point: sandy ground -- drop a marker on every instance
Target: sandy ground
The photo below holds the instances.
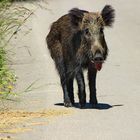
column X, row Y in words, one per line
column 118, row 84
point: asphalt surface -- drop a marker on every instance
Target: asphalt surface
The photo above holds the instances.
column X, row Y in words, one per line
column 118, row 83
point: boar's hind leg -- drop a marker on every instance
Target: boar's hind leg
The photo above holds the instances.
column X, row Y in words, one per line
column 81, row 88
column 70, row 89
column 92, row 83
column 61, row 69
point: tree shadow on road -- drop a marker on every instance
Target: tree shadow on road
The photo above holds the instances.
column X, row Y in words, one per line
column 99, row 106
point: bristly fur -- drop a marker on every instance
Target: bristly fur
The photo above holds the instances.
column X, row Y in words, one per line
column 108, row 15
column 76, row 15
column 71, row 49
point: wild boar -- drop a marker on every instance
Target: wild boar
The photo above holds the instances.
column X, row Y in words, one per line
column 76, row 41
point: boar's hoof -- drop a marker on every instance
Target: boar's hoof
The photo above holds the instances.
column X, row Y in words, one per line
column 72, row 101
column 82, row 104
column 94, row 103
column 67, row 103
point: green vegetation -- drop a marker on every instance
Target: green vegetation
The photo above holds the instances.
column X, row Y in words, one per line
column 11, row 19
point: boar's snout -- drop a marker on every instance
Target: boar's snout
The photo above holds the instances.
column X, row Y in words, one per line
column 98, row 57
column 98, row 60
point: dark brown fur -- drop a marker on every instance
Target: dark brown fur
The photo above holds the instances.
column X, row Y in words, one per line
column 74, row 41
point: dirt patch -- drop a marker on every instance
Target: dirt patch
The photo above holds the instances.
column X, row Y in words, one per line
column 21, row 121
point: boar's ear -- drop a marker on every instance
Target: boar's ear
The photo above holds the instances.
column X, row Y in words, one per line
column 108, row 15
column 76, row 15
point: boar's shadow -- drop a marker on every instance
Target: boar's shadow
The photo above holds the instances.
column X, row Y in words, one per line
column 99, row 106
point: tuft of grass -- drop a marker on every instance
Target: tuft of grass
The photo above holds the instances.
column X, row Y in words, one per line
column 11, row 19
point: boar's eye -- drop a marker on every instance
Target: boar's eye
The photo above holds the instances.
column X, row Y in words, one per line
column 101, row 30
column 86, row 31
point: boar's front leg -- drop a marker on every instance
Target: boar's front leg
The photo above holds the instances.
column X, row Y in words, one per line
column 92, row 84
column 81, row 88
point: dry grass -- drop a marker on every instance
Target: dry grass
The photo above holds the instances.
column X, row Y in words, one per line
column 21, row 121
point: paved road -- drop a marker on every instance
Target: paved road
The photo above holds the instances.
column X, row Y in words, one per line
column 118, row 83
